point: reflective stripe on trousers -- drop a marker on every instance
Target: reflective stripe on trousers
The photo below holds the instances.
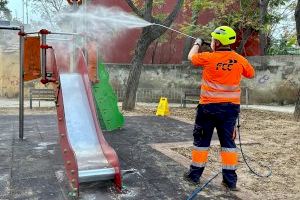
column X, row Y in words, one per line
column 199, row 156
column 229, row 158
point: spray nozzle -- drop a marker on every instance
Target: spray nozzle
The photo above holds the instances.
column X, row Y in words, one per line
column 206, row 43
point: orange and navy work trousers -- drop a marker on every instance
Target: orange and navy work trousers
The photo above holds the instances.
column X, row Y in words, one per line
column 221, row 116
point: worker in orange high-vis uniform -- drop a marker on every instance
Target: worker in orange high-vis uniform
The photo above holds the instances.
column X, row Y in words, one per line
column 219, row 104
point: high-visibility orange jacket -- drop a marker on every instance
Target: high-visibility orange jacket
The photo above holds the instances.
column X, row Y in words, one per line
column 222, row 74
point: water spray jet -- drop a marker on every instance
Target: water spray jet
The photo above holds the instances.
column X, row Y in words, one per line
column 204, row 42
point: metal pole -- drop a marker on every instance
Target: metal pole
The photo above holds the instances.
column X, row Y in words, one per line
column 43, row 57
column 73, row 65
column 247, row 97
column 27, row 12
column 64, row 33
column 21, row 85
column 85, row 22
column 57, row 39
column 23, row 12
column 53, row 33
column 9, row 28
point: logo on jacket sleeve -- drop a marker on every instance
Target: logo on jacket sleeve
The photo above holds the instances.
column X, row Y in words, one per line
column 226, row 66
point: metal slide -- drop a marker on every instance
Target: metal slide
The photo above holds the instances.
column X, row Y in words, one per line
column 82, row 134
column 87, row 156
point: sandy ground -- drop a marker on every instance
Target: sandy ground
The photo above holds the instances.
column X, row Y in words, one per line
column 10, row 107
column 276, row 137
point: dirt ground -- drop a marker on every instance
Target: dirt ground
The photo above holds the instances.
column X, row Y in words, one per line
column 275, row 142
column 28, row 111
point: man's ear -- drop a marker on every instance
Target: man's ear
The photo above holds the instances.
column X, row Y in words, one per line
column 217, row 44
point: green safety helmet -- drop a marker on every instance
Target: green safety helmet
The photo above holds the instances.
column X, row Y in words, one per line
column 224, row 34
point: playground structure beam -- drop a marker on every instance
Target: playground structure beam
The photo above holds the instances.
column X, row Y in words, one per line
column 63, row 33
column 21, row 83
column 21, row 77
column 10, row 28
column 43, row 56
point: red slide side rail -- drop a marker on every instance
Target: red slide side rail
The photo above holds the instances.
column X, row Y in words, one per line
column 68, row 153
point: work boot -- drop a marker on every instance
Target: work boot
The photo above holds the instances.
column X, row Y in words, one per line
column 230, row 188
column 186, row 177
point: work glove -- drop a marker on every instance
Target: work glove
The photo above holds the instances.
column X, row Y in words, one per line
column 198, row 42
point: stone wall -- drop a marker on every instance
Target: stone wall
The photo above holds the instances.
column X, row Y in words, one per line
column 157, row 76
column 9, row 75
column 276, row 80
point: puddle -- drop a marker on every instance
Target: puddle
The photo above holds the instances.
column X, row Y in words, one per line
column 59, row 175
column 51, row 152
column 43, row 145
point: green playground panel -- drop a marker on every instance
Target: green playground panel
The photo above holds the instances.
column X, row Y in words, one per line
column 109, row 116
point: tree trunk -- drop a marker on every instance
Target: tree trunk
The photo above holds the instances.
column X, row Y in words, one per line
column 244, row 40
column 263, row 7
column 154, row 52
column 186, row 49
column 135, row 72
column 189, row 41
column 297, row 18
column 297, row 108
column 149, row 34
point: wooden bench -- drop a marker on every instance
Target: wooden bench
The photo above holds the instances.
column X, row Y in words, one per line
column 41, row 95
column 191, row 96
column 194, row 95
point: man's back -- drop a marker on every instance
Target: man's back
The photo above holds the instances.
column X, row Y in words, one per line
column 222, row 73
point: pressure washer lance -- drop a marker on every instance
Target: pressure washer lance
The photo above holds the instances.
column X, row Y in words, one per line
column 199, row 189
column 204, row 42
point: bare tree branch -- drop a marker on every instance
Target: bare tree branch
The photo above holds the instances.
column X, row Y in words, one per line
column 134, row 8
column 54, row 5
column 47, row 12
column 245, row 37
column 148, row 10
column 168, row 21
column 141, row 14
